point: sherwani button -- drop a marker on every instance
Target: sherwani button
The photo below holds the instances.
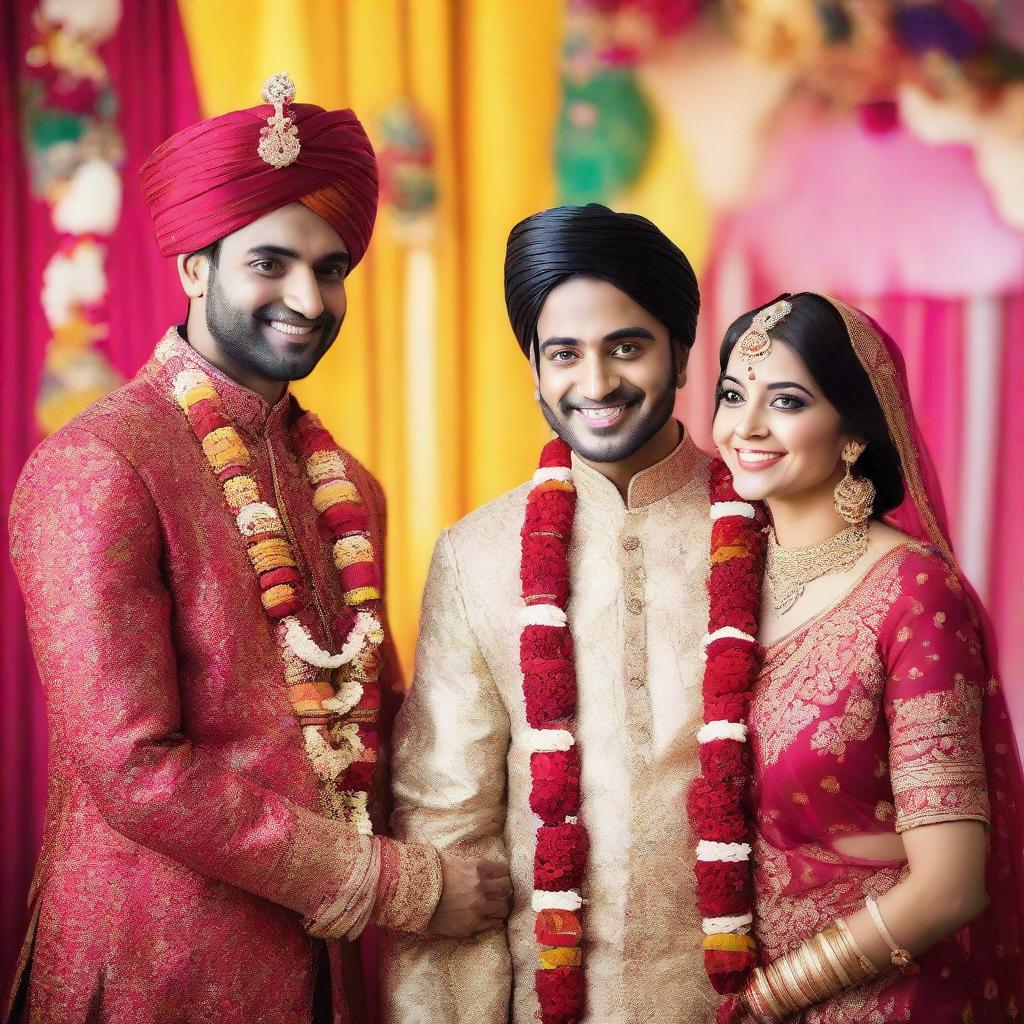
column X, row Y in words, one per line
column 636, row 682
column 635, row 605
column 631, row 542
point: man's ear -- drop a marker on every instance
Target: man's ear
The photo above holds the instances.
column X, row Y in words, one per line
column 680, row 357
column 194, row 273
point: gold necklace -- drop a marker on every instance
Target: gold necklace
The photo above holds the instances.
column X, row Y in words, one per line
column 789, row 570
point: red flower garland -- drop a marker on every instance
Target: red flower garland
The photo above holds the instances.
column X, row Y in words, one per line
column 549, row 690
column 717, row 801
column 718, row 798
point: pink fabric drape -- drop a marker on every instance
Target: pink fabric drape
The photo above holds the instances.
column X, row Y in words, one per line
column 153, row 80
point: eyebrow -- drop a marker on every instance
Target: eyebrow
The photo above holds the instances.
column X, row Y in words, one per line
column 776, row 385
column 616, row 335
column 291, row 254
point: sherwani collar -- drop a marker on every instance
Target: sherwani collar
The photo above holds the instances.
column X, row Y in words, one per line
column 647, row 487
column 246, row 409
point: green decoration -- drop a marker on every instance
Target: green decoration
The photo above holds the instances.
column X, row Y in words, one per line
column 604, row 135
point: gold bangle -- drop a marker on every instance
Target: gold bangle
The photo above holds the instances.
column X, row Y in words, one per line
column 779, row 996
column 757, row 1002
column 848, row 957
column 771, row 1003
column 824, row 986
column 802, row 970
column 825, row 966
column 780, row 990
column 867, row 968
column 787, row 970
column 899, row 956
column 833, row 956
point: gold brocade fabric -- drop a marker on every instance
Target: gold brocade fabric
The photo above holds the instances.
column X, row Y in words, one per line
column 638, row 612
column 184, row 846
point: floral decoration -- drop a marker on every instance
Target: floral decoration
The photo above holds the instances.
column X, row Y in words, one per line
column 336, row 697
column 75, row 154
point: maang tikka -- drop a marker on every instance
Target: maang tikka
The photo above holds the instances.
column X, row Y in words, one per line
column 854, row 495
column 754, row 343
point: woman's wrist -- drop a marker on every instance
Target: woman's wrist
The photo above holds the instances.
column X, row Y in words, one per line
column 816, row 970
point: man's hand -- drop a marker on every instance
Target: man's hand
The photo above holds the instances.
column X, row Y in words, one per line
column 475, row 896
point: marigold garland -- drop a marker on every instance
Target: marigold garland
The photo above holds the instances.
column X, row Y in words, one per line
column 717, row 801
column 336, row 698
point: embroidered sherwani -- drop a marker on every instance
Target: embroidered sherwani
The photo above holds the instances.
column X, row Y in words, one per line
column 638, row 611
column 184, row 844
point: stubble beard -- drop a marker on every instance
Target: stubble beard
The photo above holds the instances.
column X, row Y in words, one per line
column 616, row 447
column 240, row 339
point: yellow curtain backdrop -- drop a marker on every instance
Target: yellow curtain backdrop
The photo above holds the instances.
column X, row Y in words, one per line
column 447, row 419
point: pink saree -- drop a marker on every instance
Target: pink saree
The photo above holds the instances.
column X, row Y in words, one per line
column 883, row 713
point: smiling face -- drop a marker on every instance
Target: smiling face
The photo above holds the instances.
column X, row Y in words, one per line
column 605, row 374
column 273, row 297
column 779, row 435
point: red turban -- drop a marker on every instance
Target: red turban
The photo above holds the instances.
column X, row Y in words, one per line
column 209, row 180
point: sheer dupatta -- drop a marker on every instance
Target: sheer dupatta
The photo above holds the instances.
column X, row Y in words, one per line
column 995, row 955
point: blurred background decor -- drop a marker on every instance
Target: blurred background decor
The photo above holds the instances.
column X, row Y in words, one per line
column 869, row 148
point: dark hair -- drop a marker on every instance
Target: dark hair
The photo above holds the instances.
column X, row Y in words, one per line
column 211, row 252
column 816, row 333
column 624, row 249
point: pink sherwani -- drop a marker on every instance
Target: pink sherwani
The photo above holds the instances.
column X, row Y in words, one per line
column 183, row 844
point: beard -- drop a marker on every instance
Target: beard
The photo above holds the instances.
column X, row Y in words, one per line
column 623, row 440
column 239, row 335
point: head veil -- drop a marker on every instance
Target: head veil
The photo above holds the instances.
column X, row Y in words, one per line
column 922, row 515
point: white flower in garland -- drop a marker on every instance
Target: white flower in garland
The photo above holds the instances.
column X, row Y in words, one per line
column 567, row 899
column 73, row 279
column 349, row 694
column 92, row 202
column 356, row 804
column 303, row 646
column 185, row 381
column 330, row 763
column 95, row 21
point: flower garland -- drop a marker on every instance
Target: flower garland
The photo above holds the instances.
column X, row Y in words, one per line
column 335, row 697
column 549, row 689
column 717, row 802
column 76, row 153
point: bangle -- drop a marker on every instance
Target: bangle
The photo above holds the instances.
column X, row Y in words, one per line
column 827, row 942
column 787, row 971
column 899, row 956
column 757, row 998
column 818, row 973
column 867, row 968
column 780, row 990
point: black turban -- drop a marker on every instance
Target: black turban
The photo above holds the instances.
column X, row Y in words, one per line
column 624, row 249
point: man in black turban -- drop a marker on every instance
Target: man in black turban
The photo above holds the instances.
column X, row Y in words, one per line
column 605, row 307
column 558, row 734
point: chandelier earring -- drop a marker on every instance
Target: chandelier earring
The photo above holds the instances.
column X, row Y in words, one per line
column 854, row 495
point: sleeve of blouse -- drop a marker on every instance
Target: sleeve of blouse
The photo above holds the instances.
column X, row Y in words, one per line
column 935, row 681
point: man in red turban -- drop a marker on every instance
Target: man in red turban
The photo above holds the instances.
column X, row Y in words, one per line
column 202, row 572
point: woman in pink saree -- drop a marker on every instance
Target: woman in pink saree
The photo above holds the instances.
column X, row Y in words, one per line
column 887, row 853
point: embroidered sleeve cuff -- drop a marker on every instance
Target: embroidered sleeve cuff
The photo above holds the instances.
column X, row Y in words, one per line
column 409, row 886
column 934, row 793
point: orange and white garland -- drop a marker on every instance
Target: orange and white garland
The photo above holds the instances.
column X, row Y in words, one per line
column 336, row 697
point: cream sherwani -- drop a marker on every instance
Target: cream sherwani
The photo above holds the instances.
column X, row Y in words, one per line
column 638, row 611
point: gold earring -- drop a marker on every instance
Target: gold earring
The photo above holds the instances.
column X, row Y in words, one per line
column 854, row 496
